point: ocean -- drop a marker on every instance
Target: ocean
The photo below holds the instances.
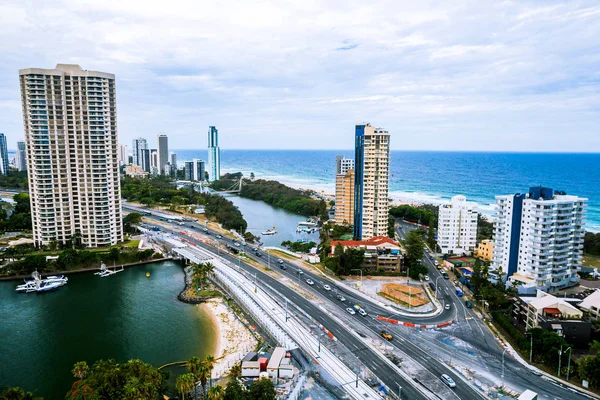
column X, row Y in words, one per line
column 431, row 177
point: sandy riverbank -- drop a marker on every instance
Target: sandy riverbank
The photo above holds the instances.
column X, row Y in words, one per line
column 234, row 340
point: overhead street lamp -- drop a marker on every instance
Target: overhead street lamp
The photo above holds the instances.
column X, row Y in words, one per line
column 399, row 390
column 530, row 347
column 503, row 368
column 358, row 269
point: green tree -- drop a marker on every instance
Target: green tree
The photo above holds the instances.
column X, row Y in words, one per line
column 80, row 370
column 210, row 360
column 234, row 391
column 216, row 393
column 431, row 234
column 16, row 393
column 235, row 371
column 262, row 389
column 185, row 383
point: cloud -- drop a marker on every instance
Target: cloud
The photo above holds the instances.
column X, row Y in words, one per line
column 295, row 74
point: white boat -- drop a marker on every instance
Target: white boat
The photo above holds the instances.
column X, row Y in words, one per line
column 56, row 278
column 309, row 222
column 269, row 232
column 298, row 229
column 48, row 286
column 27, row 287
column 104, row 272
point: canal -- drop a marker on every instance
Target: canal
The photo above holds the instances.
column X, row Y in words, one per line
column 123, row 316
column 261, row 216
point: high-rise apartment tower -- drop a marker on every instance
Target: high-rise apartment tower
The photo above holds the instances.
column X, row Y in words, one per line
column 344, row 191
column 538, row 239
column 3, row 155
column 21, row 157
column 457, row 227
column 163, row 153
column 214, row 154
column 371, row 181
column 70, row 120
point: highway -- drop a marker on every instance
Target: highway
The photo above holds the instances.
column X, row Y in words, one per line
column 386, row 374
column 372, row 361
column 470, row 328
column 474, row 332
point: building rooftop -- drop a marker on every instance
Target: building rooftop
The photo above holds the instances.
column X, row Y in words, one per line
column 374, row 241
column 593, row 300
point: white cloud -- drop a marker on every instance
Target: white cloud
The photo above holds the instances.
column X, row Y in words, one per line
column 462, row 75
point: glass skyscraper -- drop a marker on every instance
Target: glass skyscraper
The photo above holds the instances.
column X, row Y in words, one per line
column 3, row 155
column 214, row 154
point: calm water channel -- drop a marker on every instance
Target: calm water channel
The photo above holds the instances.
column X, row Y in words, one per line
column 261, row 216
column 123, row 316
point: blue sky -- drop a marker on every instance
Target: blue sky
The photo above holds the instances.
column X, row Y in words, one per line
column 451, row 75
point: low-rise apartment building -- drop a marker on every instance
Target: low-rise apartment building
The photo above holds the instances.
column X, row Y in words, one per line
column 382, row 254
column 485, row 250
column 555, row 314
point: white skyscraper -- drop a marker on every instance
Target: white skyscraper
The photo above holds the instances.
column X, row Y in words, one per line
column 457, row 227
column 70, row 121
column 139, row 145
column 214, row 154
column 123, row 156
column 197, row 170
column 538, row 239
column 21, row 158
column 163, row 153
column 371, row 182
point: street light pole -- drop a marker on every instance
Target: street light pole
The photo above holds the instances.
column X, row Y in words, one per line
column 503, row 368
column 530, row 347
column 559, row 359
column 399, row 390
column 570, row 350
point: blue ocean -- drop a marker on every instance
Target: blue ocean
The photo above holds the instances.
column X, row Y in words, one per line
column 431, row 177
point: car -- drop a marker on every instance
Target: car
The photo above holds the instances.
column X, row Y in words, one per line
column 446, row 276
column 280, row 261
column 340, row 297
column 310, row 282
column 448, row 381
column 219, row 237
column 181, row 223
column 362, row 312
column 300, row 272
column 432, row 286
column 431, row 257
column 258, row 254
column 192, row 226
column 283, row 267
column 326, row 287
column 468, row 304
column 436, row 263
column 350, row 311
column 426, row 250
column 447, row 306
column 237, row 244
column 426, row 277
column 386, row 335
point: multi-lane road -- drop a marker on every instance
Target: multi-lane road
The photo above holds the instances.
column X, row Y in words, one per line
column 469, row 328
column 474, row 332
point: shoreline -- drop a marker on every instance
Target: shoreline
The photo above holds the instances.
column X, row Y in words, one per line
column 88, row 269
column 234, row 339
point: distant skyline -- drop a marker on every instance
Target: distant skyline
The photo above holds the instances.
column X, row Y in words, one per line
column 477, row 76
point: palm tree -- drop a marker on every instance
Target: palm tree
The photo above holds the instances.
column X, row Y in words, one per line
column 80, row 370
column 193, row 365
column 210, row 360
column 185, row 383
column 198, row 274
column 216, row 393
column 235, row 370
column 203, row 375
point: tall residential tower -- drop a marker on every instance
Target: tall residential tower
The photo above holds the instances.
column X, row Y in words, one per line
column 214, row 155
column 70, row 121
column 3, row 155
column 344, row 191
column 371, row 181
column 457, row 227
column 538, row 239
column 21, row 158
column 162, row 153
column 139, row 145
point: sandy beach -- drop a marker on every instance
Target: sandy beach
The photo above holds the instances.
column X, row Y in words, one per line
column 234, row 340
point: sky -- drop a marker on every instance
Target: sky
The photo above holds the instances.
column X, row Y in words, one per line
column 438, row 75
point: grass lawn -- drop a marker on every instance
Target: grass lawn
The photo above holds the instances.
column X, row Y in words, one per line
column 132, row 244
column 591, row 261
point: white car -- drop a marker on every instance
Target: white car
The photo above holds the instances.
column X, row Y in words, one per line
column 362, row 312
column 326, row 287
column 350, row 311
column 300, row 272
column 340, row 297
column 426, row 277
column 310, row 282
column 448, row 381
column 280, row 261
column 447, row 306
